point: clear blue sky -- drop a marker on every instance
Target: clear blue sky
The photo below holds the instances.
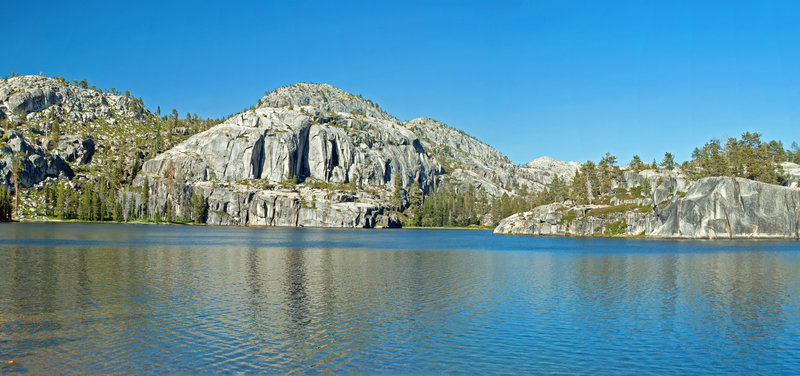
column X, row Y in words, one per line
column 568, row 79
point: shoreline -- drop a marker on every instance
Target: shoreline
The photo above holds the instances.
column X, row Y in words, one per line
column 646, row 237
column 471, row 228
column 139, row 222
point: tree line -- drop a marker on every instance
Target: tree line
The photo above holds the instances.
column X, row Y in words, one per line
column 102, row 201
column 747, row 157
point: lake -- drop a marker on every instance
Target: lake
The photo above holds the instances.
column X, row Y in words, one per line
column 150, row 299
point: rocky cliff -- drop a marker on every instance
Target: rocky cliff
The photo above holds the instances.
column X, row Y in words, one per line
column 467, row 161
column 470, row 162
column 722, row 207
column 716, row 207
column 36, row 163
column 247, row 167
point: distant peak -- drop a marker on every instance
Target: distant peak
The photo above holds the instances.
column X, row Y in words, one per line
column 545, row 162
column 324, row 97
column 542, row 159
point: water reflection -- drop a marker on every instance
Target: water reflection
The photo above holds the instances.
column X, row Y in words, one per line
column 258, row 302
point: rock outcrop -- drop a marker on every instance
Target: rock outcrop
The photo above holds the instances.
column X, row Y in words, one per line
column 541, row 171
column 237, row 204
column 44, row 97
column 303, row 133
column 791, row 174
column 716, row 207
column 276, row 144
column 467, row 161
column 37, row 164
column 561, row 220
column 723, row 207
column 76, row 149
column 325, row 98
column 470, row 162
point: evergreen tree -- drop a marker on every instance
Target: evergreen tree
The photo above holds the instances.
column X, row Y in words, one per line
column 558, row 190
column 5, row 204
column 636, row 164
column 85, row 205
column 579, row 190
column 118, row 212
column 56, row 132
column 592, row 178
column 17, row 168
column 397, row 195
column 647, row 188
column 414, row 202
column 146, row 198
column 669, row 161
column 199, row 207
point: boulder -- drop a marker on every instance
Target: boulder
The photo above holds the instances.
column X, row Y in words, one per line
column 76, row 149
column 37, row 164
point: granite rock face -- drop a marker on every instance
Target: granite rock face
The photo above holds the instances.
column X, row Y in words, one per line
column 791, row 172
column 723, row 207
column 325, row 98
column 470, row 162
column 715, row 207
column 235, row 204
column 302, row 133
column 76, row 149
column 277, row 144
column 547, row 168
column 467, row 161
column 45, row 97
column 556, row 219
column 37, row 164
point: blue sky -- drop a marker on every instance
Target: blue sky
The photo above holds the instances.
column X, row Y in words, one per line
column 568, row 79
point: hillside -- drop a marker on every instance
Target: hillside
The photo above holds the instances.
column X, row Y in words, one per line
column 305, row 155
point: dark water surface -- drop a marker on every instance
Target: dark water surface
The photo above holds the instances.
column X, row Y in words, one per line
column 122, row 299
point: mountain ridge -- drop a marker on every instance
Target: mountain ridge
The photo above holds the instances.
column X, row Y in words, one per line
column 306, row 155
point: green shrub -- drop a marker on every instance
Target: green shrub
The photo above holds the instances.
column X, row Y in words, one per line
column 616, row 228
column 567, row 218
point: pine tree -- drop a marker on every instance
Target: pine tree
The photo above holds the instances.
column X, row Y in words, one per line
column 5, row 204
column 669, row 161
column 118, row 212
column 397, row 195
column 646, row 187
column 17, row 168
column 85, row 205
column 199, row 207
column 636, row 163
column 146, row 198
column 579, row 190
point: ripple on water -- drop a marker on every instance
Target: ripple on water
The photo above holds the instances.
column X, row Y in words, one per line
column 150, row 299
